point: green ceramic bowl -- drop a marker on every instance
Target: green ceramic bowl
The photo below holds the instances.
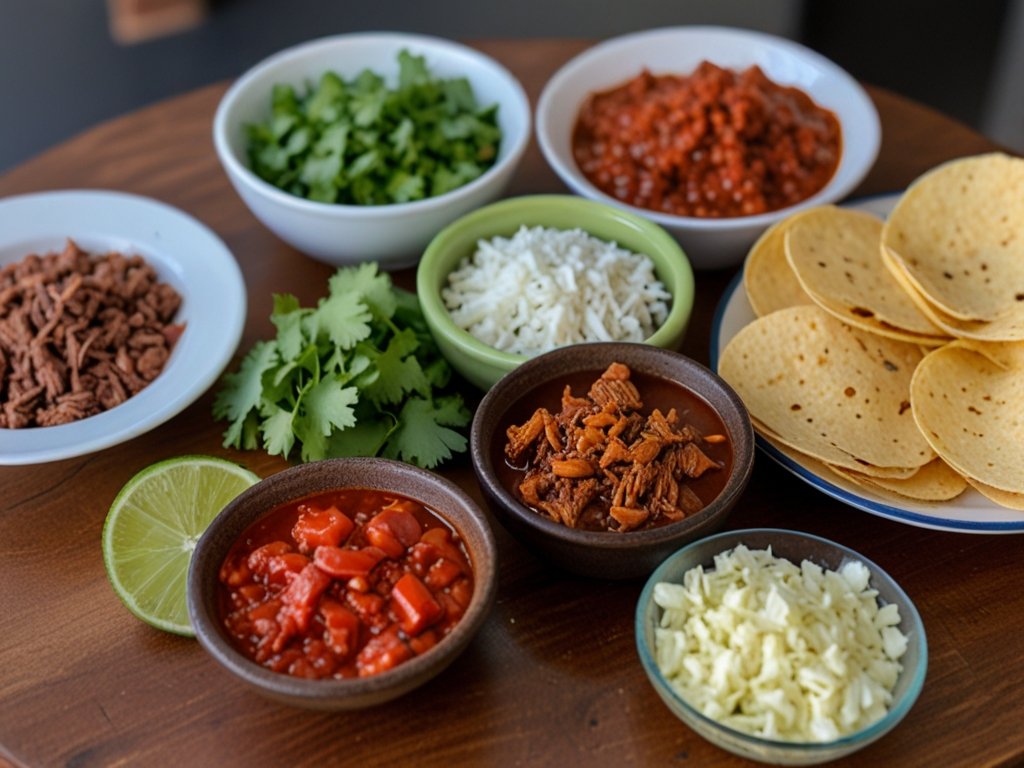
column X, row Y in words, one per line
column 483, row 365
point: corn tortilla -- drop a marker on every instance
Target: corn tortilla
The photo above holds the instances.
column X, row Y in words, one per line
column 935, row 481
column 827, row 389
column 1002, row 498
column 971, row 411
column 836, row 255
column 767, row 278
column 959, row 231
column 1006, row 328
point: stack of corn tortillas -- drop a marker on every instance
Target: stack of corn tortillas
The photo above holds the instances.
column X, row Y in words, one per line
column 893, row 352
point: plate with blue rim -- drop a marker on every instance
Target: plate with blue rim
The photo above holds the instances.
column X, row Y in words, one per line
column 970, row 512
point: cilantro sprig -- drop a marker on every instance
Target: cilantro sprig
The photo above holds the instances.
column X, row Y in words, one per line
column 359, row 142
column 358, row 375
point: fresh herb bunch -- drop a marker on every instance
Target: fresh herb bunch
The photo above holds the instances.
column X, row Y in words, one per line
column 359, row 375
column 361, row 143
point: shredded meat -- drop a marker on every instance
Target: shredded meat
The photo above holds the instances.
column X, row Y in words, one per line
column 79, row 334
column 601, row 463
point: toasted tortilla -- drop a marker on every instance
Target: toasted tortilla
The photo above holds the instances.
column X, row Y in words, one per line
column 827, row 389
column 836, row 255
column 971, row 411
column 1006, row 328
column 767, row 278
column 935, row 481
column 1002, row 498
column 959, row 232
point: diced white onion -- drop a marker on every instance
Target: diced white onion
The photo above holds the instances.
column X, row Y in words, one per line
column 787, row 652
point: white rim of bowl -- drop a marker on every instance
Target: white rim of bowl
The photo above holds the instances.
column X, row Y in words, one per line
column 240, row 169
column 871, row 138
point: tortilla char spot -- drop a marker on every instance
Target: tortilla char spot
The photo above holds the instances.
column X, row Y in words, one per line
column 861, row 312
column 890, row 366
column 822, row 264
column 904, row 406
column 972, row 409
column 849, row 391
column 795, row 407
column 947, row 275
column 1019, row 296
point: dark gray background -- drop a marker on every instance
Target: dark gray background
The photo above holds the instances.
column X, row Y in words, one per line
column 61, row 72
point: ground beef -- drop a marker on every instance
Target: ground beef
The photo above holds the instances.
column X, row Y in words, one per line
column 79, row 334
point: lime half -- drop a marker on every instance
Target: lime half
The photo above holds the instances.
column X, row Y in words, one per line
column 153, row 526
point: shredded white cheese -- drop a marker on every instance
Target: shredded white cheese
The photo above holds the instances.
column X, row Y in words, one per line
column 780, row 651
column 545, row 288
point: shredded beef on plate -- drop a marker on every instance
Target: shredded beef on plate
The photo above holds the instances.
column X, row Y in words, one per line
column 80, row 334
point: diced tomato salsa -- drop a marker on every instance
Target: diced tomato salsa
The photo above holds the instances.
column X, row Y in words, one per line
column 347, row 583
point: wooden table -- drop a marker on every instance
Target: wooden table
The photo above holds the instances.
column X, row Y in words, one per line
column 553, row 677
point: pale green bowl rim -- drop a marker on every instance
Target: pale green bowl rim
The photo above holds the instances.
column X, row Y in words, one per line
column 503, row 218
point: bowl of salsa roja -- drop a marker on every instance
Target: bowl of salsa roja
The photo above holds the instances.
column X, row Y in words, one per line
column 343, row 583
column 606, row 458
column 714, row 133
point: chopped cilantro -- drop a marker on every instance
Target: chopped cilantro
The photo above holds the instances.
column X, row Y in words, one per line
column 362, row 143
column 359, row 375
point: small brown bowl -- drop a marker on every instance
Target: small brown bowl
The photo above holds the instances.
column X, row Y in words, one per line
column 604, row 554
column 435, row 492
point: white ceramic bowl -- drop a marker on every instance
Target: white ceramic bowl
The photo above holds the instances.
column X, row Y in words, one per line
column 393, row 235
column 709, row 243
column 184, row 253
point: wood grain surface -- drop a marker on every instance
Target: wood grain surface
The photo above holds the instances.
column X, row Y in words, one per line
column 553, row 678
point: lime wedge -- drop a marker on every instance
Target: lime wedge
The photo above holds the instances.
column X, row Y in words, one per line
column 153, row 526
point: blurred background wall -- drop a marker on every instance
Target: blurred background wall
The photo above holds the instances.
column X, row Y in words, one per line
column 66, row 65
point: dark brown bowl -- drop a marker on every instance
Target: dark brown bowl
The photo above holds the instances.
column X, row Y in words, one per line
column 608, row 555
column 432, row 490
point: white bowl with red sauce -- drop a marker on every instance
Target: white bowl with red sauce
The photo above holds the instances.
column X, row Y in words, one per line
column 344, row 583
column 709, row 242
column 593, row 546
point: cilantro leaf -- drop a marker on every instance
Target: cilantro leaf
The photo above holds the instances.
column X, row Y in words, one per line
column 241, row 392
column 363, row 439
column 359, row 374
column 278, row 436
column 399, row 371
column 327, row 405
column 423, row 436
column 344, row 319
column 368, row 284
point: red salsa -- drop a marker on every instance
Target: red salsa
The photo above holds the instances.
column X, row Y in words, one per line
column 715, row 143
column 347, row 583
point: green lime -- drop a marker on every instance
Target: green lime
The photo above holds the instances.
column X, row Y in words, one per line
column 153, row 526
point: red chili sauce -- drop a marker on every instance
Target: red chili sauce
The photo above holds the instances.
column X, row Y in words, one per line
column 347, row 583
column 715, row 143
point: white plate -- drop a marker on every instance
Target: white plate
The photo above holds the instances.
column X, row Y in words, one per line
column 970, row 512
column 184, row 253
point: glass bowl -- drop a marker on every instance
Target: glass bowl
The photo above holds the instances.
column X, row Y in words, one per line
column 794, row 546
